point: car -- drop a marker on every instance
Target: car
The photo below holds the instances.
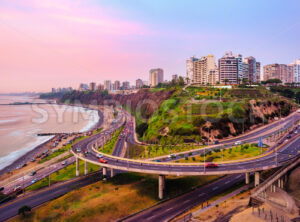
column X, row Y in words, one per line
column 17, row 187
column 296, row 132
column 99, row 155
column 102, row 160
column 64, row 163
column 156, row 160
column 288, row 136
column 172, row 156
column 34, row 181
column 216, row 142
column 32, row 173
column 238, row 143
column 1, row 188
column 86, row 152
column 78, row 150
column 211, row 165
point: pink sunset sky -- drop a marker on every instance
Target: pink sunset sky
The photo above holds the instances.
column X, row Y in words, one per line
column 61, row 43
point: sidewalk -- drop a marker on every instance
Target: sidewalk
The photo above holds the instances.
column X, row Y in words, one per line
column 220, row 200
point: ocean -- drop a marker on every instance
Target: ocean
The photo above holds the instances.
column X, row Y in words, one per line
column 20, row 124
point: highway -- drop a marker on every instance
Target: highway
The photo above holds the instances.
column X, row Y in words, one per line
column 170, row 209
column 266, row 161
column 36, row 198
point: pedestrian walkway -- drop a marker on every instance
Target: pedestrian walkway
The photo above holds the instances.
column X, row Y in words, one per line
column 220, row 200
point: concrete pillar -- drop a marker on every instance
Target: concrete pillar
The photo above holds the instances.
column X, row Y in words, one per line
column 247, row 177
column 112, row 173
column 77, row 167
column 279, row 183
column 161, row 181
column 85, row 168
column 104, row 171
column 256, row 178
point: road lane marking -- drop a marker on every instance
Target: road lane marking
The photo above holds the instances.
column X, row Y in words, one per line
column 201, row 194
column 186, row 201
column 227, row 182
column 169, row 209
column 215, row 188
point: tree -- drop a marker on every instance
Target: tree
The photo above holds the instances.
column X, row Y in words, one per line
column 288, row 93
column 245, row 81
column 226, row 81
column 141, row 128
column 274, row 81
column 181, row 81
column 23, row 210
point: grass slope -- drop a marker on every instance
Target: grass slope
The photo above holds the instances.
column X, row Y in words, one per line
column 107, row 201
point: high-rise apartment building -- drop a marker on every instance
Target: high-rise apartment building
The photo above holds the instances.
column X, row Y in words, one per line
column 117, row 85
column 204, row 70
column 126, row 85
column 251, row 75
column 190, row 69
column 139, row 83
column 175, row 77
column 107, row 85
column 295, row 66
column 100, row 87
column 92, row 86
column 156, row 76
column 279, row 71
column 258, row 72
column 83, row 87
column 230, row 68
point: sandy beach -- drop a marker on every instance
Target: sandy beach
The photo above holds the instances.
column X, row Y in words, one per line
column 28, row 156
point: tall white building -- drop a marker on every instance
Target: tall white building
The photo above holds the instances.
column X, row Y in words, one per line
column 156, row 76
column 205, row 71
column 190, row 69
column 107, row 85
column 296, row 69
column 229, row 68
column 138, row 83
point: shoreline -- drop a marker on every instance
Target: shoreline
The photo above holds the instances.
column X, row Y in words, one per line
column 28, row 156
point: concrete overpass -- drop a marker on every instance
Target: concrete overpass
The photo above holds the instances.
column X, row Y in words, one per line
column 271, row 159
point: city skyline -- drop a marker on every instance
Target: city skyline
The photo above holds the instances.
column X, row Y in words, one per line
column 65, row 43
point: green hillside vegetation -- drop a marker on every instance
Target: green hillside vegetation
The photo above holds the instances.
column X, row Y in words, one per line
column 234, row 153
column 197, row 112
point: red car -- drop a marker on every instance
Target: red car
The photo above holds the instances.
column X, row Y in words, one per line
column 102, row 160
column 211, row 165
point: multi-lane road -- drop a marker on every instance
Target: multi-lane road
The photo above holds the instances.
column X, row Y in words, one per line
column 283, row 153
column 269, row 160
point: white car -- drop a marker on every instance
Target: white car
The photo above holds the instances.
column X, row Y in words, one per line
column 238, row 143
column 172, row 156
column 34, row 181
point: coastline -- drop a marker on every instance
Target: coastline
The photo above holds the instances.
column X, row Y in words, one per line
column 28, row 156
